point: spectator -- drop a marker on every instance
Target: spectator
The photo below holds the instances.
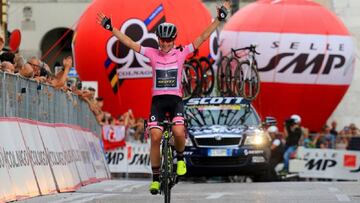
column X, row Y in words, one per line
column 35, row 64
column 342, row 140
column 330, row 138
column 7, row 56
column 333, row 130
column 19, row 62
column 321, row 140
column 7, row 67
column 293, row 132
column 353, row 130
column 60, row 78
column 306, row 140
column 277, row 150
column 139, row 129
column 27, row 71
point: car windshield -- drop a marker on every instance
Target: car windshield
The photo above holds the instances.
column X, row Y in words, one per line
column 229, row 115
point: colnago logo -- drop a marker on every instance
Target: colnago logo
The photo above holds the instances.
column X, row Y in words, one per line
column 298, row 58
column 215, row 101
column 132, row 64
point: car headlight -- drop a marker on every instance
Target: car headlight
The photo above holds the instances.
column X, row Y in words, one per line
column 188, row 142
column 256, row 138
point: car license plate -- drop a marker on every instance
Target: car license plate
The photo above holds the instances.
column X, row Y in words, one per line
column 219, row 152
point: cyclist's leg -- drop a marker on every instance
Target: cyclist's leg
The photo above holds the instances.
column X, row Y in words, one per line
column 179, row 134
column 155, row 133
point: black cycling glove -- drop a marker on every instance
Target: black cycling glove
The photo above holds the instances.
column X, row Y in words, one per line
column 222, row 13
column 106, row 23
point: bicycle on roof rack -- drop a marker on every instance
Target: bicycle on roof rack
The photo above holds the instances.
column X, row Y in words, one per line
column 238, row 74
column 198, row 76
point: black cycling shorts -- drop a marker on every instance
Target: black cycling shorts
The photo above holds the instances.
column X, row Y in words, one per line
column 166, row 104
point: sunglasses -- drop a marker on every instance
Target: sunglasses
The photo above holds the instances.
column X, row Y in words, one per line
column 166, row 39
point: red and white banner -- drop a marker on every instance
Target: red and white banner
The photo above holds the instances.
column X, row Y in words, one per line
column 113, row 136
column 38, row 156
column 17, row 160
column 134, row 158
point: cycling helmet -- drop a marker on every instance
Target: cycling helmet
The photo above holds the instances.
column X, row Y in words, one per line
column 273, row 129
column 166, row 31
column 296, row 118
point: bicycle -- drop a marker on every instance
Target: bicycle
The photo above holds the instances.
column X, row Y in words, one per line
column 204, row 76
column 168, row 177
column 237, row 75
column 247, row 79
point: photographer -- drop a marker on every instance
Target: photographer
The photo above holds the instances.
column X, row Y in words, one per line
column 293, row 133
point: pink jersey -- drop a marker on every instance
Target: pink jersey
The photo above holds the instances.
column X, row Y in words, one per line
column 167, row 69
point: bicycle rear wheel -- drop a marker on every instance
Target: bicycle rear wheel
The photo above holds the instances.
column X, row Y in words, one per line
column 189, row 81
column 207, row 78
column 220, row 75
column 251, row 80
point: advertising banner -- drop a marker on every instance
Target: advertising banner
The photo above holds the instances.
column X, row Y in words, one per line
column 38, row 157
column 53, row 147
column 16, row 158
column 329, row 163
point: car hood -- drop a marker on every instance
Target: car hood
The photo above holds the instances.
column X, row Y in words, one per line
column 217, row 129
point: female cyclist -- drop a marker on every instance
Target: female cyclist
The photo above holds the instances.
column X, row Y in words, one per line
column 167, row 63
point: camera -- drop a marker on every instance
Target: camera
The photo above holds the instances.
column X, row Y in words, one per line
column 289, row 122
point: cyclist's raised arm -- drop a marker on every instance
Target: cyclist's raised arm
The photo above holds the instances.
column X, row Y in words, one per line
column 222, row 13
column 127, row 41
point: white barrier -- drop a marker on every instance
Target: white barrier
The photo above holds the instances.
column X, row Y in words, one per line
column 38, row 157
column 85, row 155
column 7, row 190
column 328, row 163
column 17, row 160
column 69, row 156
column 134, row 158
column 97, row 156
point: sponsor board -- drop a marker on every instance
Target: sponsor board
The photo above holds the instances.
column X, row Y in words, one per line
column 330, row 163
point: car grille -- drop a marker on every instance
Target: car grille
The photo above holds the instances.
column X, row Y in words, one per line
column 225, row 141
column 218, row 161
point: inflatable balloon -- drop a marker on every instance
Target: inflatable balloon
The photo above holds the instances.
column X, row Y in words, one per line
column 124, row 76
column 307, row 57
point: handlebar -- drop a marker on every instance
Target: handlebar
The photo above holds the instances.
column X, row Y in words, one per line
column 251, row 48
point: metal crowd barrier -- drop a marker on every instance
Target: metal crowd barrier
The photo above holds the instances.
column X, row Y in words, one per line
column 25, row 98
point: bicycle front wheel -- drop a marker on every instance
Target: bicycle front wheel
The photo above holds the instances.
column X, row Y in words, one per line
column 166, row 177
column 251, row 80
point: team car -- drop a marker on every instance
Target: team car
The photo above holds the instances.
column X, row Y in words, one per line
column 225, row 137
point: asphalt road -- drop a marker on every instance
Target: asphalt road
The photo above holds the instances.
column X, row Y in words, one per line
column 134, row 191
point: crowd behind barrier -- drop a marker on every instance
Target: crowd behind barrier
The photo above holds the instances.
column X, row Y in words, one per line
column 50, row 139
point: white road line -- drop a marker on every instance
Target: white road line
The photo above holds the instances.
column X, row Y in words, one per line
column 75, row 196
column 131, row 188
column 334, row 189
column 215, row 196
column 342, row 198
column 93, row 198
column 115, row 187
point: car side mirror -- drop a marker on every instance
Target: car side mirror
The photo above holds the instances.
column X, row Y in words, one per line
column 269, row 121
